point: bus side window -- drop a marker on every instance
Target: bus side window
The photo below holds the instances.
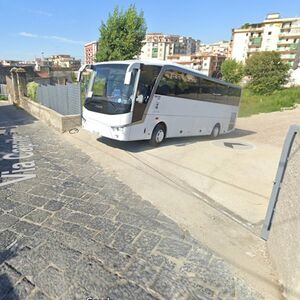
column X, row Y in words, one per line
column 206, row 90
column 233, row 95
column 221, row 92
column 147, row 80
column 167, row 84
column 163, row 90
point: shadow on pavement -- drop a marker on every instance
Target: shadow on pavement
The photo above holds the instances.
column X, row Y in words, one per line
column 7, row 290
column 139, row 146
column 11, row 115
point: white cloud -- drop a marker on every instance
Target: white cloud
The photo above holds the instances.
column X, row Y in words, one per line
column 28, row 34
column 40, row 12
column 50, row 37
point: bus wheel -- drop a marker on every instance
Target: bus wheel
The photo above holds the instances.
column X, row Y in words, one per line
column 216, row 131
column 158, row 135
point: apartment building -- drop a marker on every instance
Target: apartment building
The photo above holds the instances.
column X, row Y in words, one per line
column 90, row 50
column 57, row 62
column 207, row 64
column 219, row 48
column 160, row 46
column 14, row 63
column 273, row 34
column 64, row 61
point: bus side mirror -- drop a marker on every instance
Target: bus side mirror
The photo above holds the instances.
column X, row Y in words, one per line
column 129, row 70
column 81, row 70
column 127, row 78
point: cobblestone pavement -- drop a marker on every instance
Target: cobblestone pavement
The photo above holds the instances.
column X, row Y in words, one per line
column 74, row 231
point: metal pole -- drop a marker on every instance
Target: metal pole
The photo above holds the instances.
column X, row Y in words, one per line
column 289, row 140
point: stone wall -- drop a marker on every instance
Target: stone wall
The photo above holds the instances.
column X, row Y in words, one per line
column 284, row 239
column 17, row 95
column 50, row 117
column 5, row 71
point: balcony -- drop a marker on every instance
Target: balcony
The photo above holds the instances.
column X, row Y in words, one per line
column 255, row 42
column 253, row 50
column 292, row 34
column 290, row 28
column 285, row 43
column 256, row 29
column 292, row 47
column 254, row 45
column 287, row 51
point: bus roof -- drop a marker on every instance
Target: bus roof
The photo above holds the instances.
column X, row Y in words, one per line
column 163, row 63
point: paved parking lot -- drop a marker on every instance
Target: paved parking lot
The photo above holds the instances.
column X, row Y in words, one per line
column 216, row 189
column 72, row 230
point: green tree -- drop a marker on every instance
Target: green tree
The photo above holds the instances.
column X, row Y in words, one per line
column 245, row 26
column 267, row 72
column 232, row 71
column 122, row 35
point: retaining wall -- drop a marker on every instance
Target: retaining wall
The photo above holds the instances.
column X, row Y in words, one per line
column 49, row 116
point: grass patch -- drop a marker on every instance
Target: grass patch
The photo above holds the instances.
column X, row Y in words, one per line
column 253, row 104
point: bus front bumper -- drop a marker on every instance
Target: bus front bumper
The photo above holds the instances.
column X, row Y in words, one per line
column 116, row 133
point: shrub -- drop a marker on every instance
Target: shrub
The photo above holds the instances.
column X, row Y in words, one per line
column 32, row 90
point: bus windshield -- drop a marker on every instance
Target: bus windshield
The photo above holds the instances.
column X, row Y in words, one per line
column 109, row 93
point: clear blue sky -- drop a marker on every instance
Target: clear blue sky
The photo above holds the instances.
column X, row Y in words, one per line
column 30, row 27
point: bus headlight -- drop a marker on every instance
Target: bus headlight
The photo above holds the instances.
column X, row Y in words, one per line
column 118, row 129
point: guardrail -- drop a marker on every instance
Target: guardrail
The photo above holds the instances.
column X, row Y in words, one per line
column 289, row 140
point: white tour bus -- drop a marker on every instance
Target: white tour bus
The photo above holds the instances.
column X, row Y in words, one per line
column 140, row 100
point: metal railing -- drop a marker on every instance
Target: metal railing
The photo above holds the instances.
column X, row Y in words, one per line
column 285, row 154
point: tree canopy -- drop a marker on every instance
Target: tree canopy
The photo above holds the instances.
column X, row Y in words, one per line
column 122, row 35
column 232, row 71
column 245, row 26
column 267, row 72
